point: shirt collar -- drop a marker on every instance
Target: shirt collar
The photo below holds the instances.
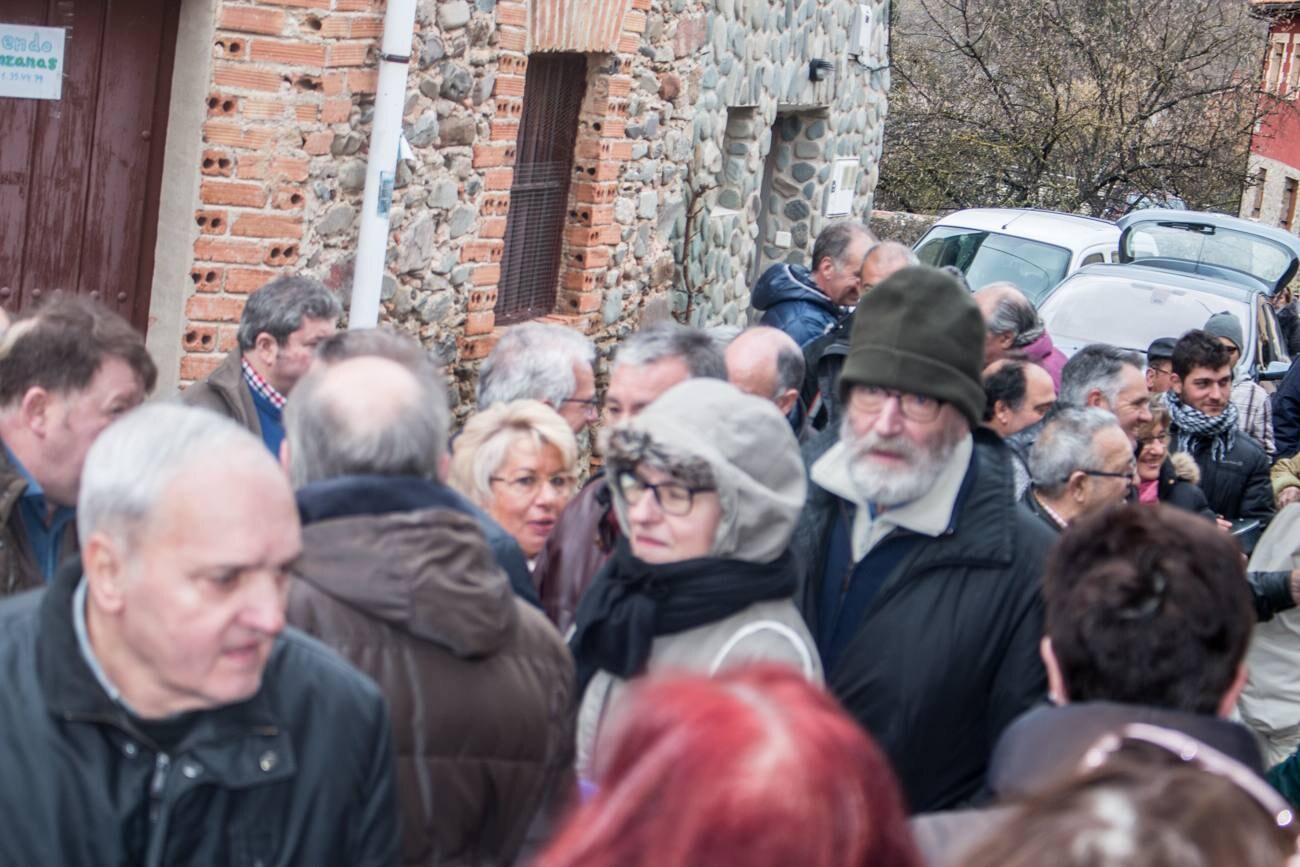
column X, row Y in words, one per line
column 33, row 488
column 87, row 652
column 1051, row 513
column 260, row 385
column 930, row 514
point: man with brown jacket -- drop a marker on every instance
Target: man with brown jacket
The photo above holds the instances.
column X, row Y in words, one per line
column 278, row 331
column 67, row 370
column 396, row 575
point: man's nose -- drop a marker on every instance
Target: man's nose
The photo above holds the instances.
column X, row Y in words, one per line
column 264, row 605
column 889, row 421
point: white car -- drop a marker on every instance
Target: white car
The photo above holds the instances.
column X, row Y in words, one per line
column 1033, row 249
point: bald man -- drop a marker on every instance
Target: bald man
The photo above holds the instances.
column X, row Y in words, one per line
column 883, row 260
column 767, row 363
column 1015, row 331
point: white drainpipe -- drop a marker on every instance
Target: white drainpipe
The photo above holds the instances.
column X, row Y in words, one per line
column 385, row 134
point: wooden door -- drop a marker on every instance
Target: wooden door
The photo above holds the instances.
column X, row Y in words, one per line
column 79, row 176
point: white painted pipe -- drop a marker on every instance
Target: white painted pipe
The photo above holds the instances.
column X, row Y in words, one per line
column 385, row 134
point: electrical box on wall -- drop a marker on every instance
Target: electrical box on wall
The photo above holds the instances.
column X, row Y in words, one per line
column 839, row 192
column 863, row 35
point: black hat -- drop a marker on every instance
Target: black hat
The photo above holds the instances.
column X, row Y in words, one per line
column 1161, row 347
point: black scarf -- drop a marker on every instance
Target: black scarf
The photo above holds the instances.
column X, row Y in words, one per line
column 631, row 602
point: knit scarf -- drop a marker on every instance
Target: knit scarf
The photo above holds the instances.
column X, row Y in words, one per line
column 1195, row 427
column 630, row 602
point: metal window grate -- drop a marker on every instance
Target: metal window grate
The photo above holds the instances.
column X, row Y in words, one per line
column 539, row 193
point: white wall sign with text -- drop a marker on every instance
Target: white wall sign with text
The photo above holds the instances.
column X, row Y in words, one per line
column 31, row 61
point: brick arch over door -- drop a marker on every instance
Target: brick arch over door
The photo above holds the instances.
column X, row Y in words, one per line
column 591, row 26
column 80, row 176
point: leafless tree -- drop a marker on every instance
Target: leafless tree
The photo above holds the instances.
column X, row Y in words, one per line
column 1077, row 105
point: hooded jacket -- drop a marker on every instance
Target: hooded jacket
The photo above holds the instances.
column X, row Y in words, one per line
column 754, row 459
column 301, row 773
column 226, row 393
column 480, row 683
column 1179, row 484
column 946, row 654
column 1286, row 414
column 1045, row 354
column 1236, row 486
column 791, row 301
column 1044, row 748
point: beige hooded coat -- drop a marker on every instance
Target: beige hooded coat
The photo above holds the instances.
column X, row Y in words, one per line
column 754, row 458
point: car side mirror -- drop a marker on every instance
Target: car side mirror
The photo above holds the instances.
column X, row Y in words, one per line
column 1274, row 371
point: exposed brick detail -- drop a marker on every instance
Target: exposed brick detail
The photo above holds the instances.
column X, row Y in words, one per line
column 482, row 299
column 498, row 179
column 336, row 27
column 288, row 53
column 227, row 133
column 634, row 21
column 357, row 5
column 214, row 308
column 199, row 338
column 263, row 109
column 252, row 168
column 486, row 275
column 582, row 281
column 482, row 251
column 588, row 257
column 196, row 367
column 237, row 252
column 232, row 193
column 643, row 5
column 217, row 163
column 280, row 255
column 628, row 43
column 512, row 13
column 476, row 349
column 306, row 113
column 334, row 83
column 587, row 237
column 509, row 85
column 207, row 278
column 251, row 19
column 595, row 193
column 212, row 222
column 288, row 199
column 318, row 143
column 247, row 79
column 487, row 156
column 368, row 26
column 479, row 323
column 348, row 54
column 513, row 38
column 512, row 64
column 336, row 111
column 363, row 81
column 231, row 47
column 493, row 227
column 241, row 281
column 495, row 205
column 504, row 131
column 595, row 215
column 302, row 3
column 265, row 226
column 290, row 168
column 227, row 338
column 619, row 85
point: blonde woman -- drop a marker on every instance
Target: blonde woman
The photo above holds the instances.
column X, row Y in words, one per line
column 518, row 461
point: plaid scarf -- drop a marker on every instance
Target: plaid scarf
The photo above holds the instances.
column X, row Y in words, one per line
column 1195, row 427
column 261, row 386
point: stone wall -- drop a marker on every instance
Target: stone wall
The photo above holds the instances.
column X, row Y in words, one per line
column 704, row 153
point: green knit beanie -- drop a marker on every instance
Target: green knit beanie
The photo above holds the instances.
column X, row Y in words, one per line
column 919, row 332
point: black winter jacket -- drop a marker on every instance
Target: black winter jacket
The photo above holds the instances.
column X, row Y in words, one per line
column 1286, row 414
column 1236, row 487
column 300, row 774
column 947, row 653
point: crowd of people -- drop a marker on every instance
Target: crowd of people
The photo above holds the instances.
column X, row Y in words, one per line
column 882, row 580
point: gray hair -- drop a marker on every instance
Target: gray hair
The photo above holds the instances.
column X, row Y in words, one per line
column 335, row 427
column 834, row 240
column 790, row 370
column 628, row 449
column 1067, row 443
column 724, row 334
column 694, row 347
column 1096, row 366
column 137, row 457
column 533, row 361
column 1013, row 314
column 892, row 252
column 279, row 308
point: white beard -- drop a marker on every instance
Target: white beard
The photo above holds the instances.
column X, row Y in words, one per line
column 890, row 485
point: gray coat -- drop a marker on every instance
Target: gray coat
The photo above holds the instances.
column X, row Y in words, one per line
column 226, row 393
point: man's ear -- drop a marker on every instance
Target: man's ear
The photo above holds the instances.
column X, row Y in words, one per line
column 1055, row 683
column 786, row 401
column 1176, row 384
column 1229, row 700
column 103, row 559
column 1076, row 486
column 266, row 348
column 1001, row 411
column 34, row 409
column 1097, row 399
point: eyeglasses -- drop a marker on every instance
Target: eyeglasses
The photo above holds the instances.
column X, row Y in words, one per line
column 915, row 407
column 591, row 403
column 673, row 498
column 1108, row 475
column 1189, row 750
column 530, row 485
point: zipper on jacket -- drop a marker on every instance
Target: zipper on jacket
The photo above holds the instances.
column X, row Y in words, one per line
column 156, row 785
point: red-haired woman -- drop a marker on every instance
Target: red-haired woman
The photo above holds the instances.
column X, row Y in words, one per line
column 755, row 766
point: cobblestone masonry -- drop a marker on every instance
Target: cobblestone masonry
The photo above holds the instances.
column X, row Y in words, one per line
column 704, row 149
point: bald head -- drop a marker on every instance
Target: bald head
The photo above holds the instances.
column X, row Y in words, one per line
column 883, row 260
column 364, row 416
column 767, row 363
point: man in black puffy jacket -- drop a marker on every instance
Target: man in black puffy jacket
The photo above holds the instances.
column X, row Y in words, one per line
column 156, row 710
column 1234, row 468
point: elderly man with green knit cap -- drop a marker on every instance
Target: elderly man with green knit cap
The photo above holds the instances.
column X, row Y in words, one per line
column 920, row 568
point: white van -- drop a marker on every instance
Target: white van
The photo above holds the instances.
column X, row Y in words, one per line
column 1033, row 249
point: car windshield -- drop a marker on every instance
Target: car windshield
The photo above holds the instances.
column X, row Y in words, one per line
column 1209, row 245
column 988, row 257
column 1083, row 310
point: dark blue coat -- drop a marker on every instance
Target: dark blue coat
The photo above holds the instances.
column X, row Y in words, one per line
column 1286, row 414
column 792, row 302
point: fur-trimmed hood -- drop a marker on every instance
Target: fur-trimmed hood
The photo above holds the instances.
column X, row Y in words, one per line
column 1185, row 468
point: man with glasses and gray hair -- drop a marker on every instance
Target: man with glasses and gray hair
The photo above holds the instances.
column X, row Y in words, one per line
column 1081, row 462
column 914, row 549
column 648, row 363
column 278, row 332
column 545, row 362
